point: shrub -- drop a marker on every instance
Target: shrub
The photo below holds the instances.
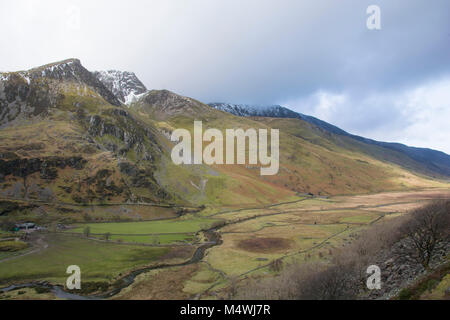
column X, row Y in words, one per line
column 405, row 294
column 12, row 246
column 276, row 265
column 40, row 290
column 87, row 231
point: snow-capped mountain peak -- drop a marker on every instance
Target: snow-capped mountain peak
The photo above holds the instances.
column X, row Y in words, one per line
column 123, row 84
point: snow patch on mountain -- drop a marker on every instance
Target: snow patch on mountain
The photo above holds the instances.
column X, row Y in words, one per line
column 123, row 84
column 245, row 110
column 67, row 69
column 4, row 76
column 273, row 111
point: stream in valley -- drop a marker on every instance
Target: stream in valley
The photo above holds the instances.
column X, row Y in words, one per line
column 212, row 236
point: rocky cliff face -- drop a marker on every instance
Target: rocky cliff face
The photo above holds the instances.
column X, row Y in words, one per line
column 132, row 136
column 123, row 84
column 22, row 97
column 32, row 93
column 71, row 70
column 47, row 166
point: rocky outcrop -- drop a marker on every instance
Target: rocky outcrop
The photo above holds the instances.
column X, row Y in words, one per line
column 47, row 167
column 33, row 92
column 123, row 84
column 399, row 269
column 143, row 178
column 27, row 94
column 22, row 99
column 164, row 104
column 72, row 70
column 121, row 125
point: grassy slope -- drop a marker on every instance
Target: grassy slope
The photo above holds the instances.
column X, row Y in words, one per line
column 311, row 160
column 98, row 261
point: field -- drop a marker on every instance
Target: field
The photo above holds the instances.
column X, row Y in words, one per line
column 252, row 241
column 160, row 232
column 98, row 261
column 303, row 231
column 148, row 227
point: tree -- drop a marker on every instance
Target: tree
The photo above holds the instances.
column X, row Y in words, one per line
column 276, row 265
column 155, row 240
column 87, row 231
column 428, row 227
column 337, row 282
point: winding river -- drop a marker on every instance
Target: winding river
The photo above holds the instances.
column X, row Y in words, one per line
column 212, row 236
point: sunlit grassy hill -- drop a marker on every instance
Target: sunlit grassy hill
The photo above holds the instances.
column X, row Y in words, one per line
column 312, row 160
column 65, row 137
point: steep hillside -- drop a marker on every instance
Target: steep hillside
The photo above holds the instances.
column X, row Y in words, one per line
column 311, row 162
column 425, row 161
column 66, row 137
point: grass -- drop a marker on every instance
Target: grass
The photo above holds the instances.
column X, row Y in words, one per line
column 102, row 261
column 440, row 291
column 27, row 294
column 5, row 234
column 432, row 286
column 317, row 225
column 159, row 239
column 189, row 225
column 98, row 261
column 163, row 284
column 361, row 219
column 202, row 280
column 10, row 254
column 234, row 260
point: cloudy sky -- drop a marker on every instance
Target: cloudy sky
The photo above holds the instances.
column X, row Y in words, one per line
column 313, row 56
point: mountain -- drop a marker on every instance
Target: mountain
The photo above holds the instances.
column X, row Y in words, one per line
column 426, row 161
column 313, row 160
column 123, row 84
column 67, row 136
column 34, row 92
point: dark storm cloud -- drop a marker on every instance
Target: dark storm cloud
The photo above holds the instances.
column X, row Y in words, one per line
column 317, row 56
